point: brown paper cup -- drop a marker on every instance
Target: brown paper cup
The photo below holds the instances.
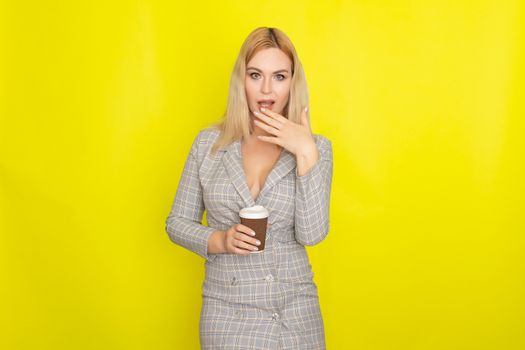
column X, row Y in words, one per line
column 256, row 218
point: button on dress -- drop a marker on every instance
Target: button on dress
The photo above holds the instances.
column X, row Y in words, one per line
column 266, row 300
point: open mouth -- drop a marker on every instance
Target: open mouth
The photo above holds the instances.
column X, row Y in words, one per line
column 265, row 103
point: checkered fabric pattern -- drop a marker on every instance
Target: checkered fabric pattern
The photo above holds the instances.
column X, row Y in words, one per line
column 267, row 300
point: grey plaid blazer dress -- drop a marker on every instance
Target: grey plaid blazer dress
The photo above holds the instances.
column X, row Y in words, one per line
column 266, row 300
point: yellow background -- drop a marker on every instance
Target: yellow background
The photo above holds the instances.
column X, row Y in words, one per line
column 422, row 100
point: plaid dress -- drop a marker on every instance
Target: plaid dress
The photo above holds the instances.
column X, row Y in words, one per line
column 266, row 300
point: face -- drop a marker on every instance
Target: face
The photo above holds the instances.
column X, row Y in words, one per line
column 268, row 80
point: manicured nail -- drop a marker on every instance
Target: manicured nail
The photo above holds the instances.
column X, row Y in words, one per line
column 263, row 109
column 252, row 233
column 258, row 243
column 306, row 109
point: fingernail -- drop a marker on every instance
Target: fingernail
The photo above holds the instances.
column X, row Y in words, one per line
column 263, row 109
column 258, row 243
column 252, row 233
column 306, row 109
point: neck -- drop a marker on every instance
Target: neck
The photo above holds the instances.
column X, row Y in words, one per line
column 255, row 141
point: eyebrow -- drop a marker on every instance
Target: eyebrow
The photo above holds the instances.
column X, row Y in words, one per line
column 277, row 71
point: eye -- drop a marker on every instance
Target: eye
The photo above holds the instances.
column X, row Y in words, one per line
column 251, row 74
column 280, row 75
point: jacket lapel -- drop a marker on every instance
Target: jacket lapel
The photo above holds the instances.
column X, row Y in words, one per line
column 232, row 161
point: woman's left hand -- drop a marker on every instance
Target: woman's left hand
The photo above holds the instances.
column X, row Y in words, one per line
column 296, row 138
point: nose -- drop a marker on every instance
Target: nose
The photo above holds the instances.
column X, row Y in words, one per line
column 266, row 87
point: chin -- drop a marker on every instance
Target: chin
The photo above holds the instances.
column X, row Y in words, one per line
column 278, row 110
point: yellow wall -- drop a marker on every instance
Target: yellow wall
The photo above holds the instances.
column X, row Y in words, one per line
column 423, row 101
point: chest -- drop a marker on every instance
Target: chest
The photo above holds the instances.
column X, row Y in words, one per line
column 225, row 190
column 258, row 163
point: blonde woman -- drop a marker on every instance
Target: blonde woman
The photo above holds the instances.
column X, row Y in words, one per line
column 262, row 153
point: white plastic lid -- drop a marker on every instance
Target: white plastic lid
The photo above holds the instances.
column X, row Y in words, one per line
column 255, row 212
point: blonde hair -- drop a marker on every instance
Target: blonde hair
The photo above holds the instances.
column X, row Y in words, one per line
column 236, row 120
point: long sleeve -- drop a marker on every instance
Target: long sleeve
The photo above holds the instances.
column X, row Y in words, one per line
column 312, row 201
column 183, row 224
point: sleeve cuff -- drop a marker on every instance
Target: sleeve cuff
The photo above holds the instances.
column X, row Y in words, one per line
column 203, row 250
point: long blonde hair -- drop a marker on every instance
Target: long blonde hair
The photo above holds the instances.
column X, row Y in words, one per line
column 236, row 120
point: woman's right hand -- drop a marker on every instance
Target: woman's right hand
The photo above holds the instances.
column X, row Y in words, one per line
column 239, row 240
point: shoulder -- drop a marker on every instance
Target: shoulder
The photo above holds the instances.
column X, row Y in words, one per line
column 324, row 145
column 208, row 135
column 322, row 142
column 321, row 139
column 204, row 140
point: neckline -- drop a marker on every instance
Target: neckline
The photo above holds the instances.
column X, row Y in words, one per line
column 245, row 179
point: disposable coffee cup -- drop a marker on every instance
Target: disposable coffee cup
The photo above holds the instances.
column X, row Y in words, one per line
column 256, row 218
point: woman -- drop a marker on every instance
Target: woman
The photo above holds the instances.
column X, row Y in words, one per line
column 262, row 153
